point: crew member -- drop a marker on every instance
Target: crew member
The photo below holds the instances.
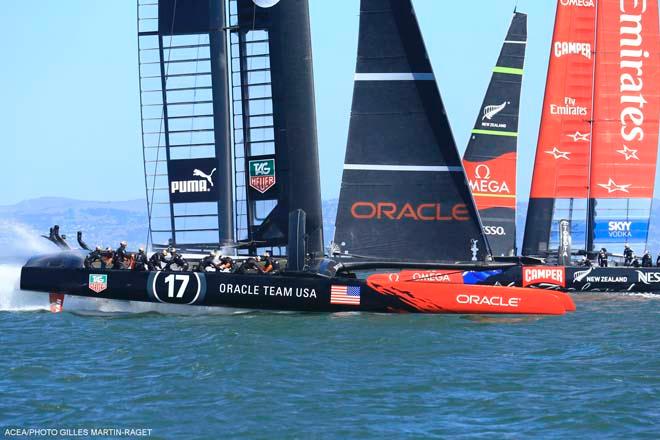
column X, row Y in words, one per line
column 271, row 265
column 603, row 258
column 635, row 261
column 96, row 255
column 157, row 259
column 226, row 264
column 108, row 257
column 251, row 265
column 586, row 262
column 209, row 262
column 120, row 256
column 646, row 260
column 177, row 259
column 140, row 261
column 657, row 261
column 627, row 255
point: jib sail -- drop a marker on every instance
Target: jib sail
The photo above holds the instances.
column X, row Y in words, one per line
column 206, row 184
column 491, row 155
column 404, row 194
column 560, row 184
column 625, row 129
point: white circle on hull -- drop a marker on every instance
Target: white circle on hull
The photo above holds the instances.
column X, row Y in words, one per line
column 266, row 3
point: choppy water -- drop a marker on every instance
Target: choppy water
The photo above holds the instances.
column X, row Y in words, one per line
column 197, row 374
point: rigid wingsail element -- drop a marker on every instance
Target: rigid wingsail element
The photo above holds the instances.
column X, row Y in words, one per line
column 404, row 194
column 596, row 166
column 490, row 157
column 203, row 189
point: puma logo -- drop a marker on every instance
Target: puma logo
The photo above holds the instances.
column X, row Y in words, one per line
column 202, row 174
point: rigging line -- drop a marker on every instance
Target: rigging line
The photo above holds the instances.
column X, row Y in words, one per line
column 162, row 114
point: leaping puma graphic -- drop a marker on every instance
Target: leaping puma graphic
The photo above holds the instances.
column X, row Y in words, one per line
column 198, row 173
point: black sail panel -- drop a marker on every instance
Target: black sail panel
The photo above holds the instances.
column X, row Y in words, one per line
column 276, row 147
column 404, row 193
column 491, row 155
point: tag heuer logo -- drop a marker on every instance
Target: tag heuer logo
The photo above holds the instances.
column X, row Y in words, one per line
column 98, row 283
column 262, row 174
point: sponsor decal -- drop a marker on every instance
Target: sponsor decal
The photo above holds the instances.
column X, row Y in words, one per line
column 558, row 154
column 266, row 3
column 591, row 276
column 203, row 183
column 495, row 230
column 98, row 283
column 579, row 3
column 562, row 48
column 620, row 230
column 260, row 290
column 612, row 187
column 628, row 153
column 262, row 174
column 568, row 108
column 429, row 276
column 648, row 277
column 428, row 212
column 490, row 111
column 544, row 275
column 488, row 300
column 483, row 183
column 579, row 137
column 565, row 242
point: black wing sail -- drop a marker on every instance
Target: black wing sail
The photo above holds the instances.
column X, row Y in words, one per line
column 491, row 155
column 404, row 194
column 275, row 137
column 185, row 123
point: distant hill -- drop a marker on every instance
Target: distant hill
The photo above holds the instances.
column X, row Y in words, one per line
column 107, row 223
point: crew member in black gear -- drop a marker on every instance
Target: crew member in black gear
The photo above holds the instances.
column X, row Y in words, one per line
column 250, row 265
column 635, row 262
column 646, row 260
column 140, row 263
column 586, row 262
column 177, row 259
column 603, row 258
column 657, row 261
column 120, row 256
column 628, row 256
column 209, row 262
column 226, row 264
column 157, row 259
column 94, row 256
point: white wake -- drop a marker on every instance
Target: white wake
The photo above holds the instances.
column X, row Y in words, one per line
column 18, row 242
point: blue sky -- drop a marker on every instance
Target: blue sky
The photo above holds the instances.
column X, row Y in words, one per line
column 70, row 115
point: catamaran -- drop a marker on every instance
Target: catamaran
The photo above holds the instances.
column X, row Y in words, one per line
column 409, row 237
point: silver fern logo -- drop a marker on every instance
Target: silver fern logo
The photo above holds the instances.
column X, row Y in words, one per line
column 490, row 111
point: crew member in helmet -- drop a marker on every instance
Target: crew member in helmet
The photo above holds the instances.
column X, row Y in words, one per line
column 657, row 261
column 210, row 263
column 157, row 260
column 226, row 264
column 635, row 262
column 251, row 265
column 94, row 256
column 646, row 260
column 140, row 262
column 628, row 256
column 177, row 259
column 271, row 265
column 603, row 258
column 120, row 256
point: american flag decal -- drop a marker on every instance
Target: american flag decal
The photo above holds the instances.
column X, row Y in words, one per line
column 345, row 295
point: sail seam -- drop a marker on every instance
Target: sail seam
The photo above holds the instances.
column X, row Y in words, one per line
column 404, row 76
column 508, row 70
column 426, row 168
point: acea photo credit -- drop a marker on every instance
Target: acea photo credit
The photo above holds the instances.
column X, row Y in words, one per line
column 311, row 219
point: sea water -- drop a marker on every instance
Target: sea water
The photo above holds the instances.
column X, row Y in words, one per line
column 202, row 373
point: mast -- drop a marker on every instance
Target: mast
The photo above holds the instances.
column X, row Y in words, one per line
column 404, row 194
column 185, row 122
column 491, row 155
column 560, row 184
